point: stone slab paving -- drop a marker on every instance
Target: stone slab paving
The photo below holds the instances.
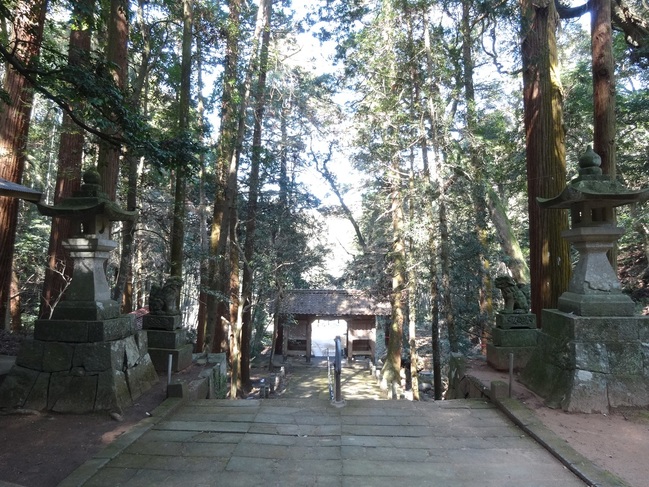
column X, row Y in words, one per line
column 310, row 442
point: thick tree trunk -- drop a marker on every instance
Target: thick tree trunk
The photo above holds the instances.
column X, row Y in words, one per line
column 217, row 306
column 546, row 171
column 178, row 226
column 14, row 128
column 603, row 85
column 117, row 55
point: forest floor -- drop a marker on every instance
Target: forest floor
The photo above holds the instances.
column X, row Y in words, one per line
column 44, row 448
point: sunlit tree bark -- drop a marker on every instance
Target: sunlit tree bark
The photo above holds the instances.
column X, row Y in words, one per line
column 546, row 170
column 14, row 128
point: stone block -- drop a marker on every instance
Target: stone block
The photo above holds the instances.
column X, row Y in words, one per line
column 643, row 328
column 596, row 304
column 70, row 309
column 37, row 398
column 167, row 339
column 498, row 357
column 499, row 390
column 59, row 331
column 587, row 394
column 141, row 377
column 198, row 389
column 112, row 392
column 72, row 394
column 84, row 331
column 629, row 392
column 515, row 320
column 30, row 354
column 142, row 341
column 114, row 329
column 590, row 356
column 514, row 337
column 16, row 387
column 605, row 329
column 161, row 322
column 625, row 358
column 131, row 352
column 100, row 356
column 57, row 356
column 178, row 389
column 181, row 358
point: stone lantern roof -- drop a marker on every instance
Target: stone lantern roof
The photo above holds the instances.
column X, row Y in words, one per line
column 591, row 196
column 90, row 207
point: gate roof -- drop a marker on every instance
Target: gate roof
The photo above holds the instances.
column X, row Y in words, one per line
column 332, row 302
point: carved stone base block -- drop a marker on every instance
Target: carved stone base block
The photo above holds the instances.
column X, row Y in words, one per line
column 79, row 377
column 514, row 333
column 591, row 364
column 166, row 336
column 181, row 358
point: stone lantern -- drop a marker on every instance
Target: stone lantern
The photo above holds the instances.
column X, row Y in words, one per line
column 594, row 289
column 88, row 357
column 91, row 213
column 591, row 352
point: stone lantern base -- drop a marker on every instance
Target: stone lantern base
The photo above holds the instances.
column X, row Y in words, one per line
column 74, row 366
column 590, row 364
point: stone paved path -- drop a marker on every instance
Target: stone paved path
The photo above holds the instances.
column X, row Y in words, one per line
column 306, row 441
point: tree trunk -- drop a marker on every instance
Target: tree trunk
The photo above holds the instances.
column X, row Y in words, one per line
column 253, row 196
column 217, row 307
column 485, row 304
column 604, row 93
column 429, row 179
column 123, row 291
column 204, row 242
column 14, row 128
column 178, row 226
column 603, row 85
column 445, row 259
column 391, row 372
column 235, row 312
column 117, row 56
column 546, row 171
column 508, row 241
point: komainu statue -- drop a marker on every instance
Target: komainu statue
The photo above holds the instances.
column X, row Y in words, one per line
column 163, row 300
column 515, row 299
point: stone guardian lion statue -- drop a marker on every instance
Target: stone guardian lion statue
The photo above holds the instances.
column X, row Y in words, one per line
column 515, row 299
column 163, row 300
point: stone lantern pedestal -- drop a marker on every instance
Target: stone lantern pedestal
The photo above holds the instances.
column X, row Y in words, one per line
column 88, row 357
column 592, row 352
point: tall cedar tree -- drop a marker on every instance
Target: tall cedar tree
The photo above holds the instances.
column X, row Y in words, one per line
column 217, row 306
column 181, row 166
column 545, row 150
column 253, row 197
column 29, row 19
column 117, row 56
